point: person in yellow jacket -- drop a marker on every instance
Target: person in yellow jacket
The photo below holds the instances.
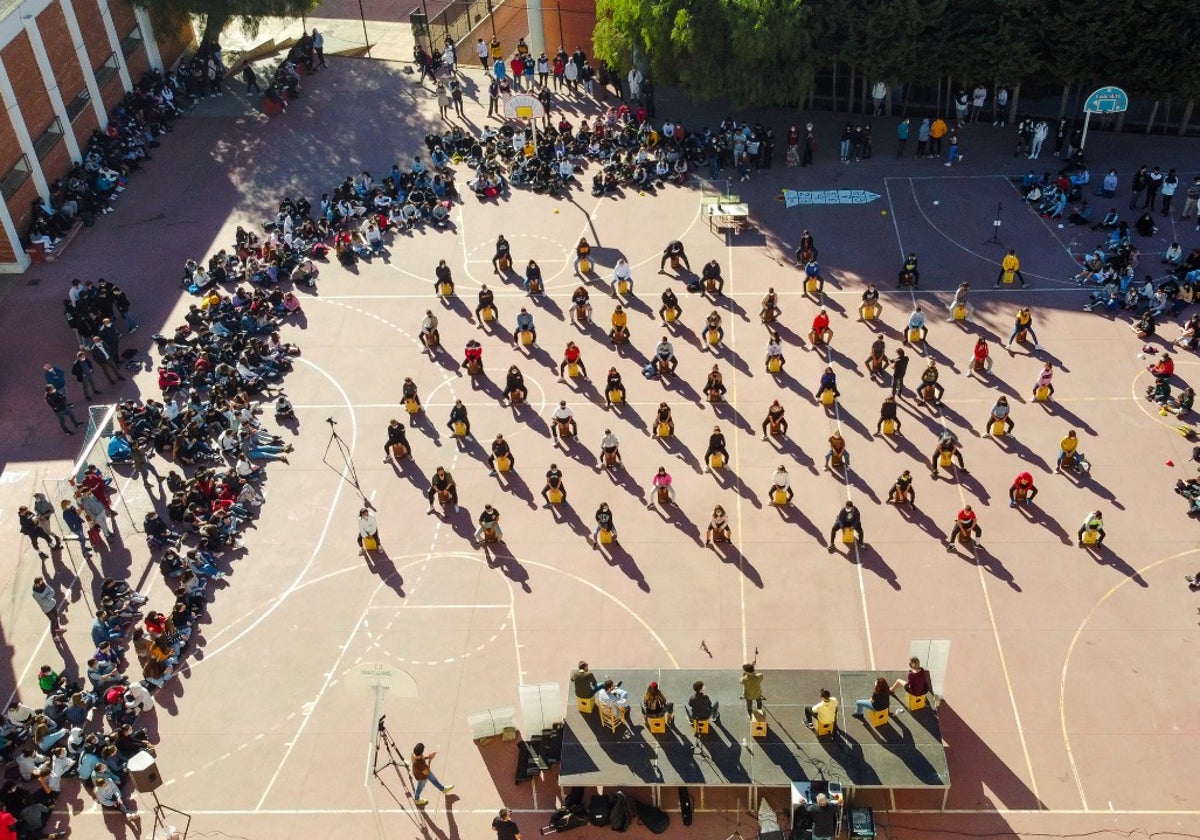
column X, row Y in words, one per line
column 936, row 132
column 620, row 326
column 1010, row 266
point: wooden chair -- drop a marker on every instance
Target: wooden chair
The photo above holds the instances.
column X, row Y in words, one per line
column 612, row 716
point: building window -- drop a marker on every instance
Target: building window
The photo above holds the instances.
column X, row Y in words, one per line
column 14, row 177
column 131, row 42
column 106, row 70
column 79, row 104
column 48, row 139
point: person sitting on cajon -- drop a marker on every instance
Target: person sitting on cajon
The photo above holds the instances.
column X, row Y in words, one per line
column 487, row 300
column 489, row 523
column 781, row 481
column 947, row 443
column 554, row 481
column 888, row 412
column 714, row 386
column 582, row 251
column 824, row 710
column 514, row 385
column 774, row 351
column 716, row 446
column 710, row 275
column 604, row 522
column 812, row 272
column 870, row 298
column 584, row 682
column 473, row 356
column 1066, row 450
column 718, row 527
column 701, row 706
column 503, row 252
column 673, row 252
column 669, row 301
column 828, row 383
column 877, row 362
column 1093, row 524
column 429, row 332
column 562, row 417
column 660, row 483
column 929, row 380
column 619, row 333
column 655, row 704
column 622, row 274
column 396, row 437
column 917, row 682
column 443, row 483
column 525, row 325
column 1001, row 413
column 770, row 311
column 444, row 278
column 837, row 449
column 820, row 332
column 613, row 385
column 965, row 528
column 663, row 417
column 916, row 321
column 1044, row 380
column 500, row 449
column 848, row 517
column 712, row 323
column 902, row 490
column 664, row 354
column 458, row 414
column 581, row 308
column 1022, row 486
column 610, row 447
column 572, row 356
column 775, row 420
column 981, row 361
column 408, row 391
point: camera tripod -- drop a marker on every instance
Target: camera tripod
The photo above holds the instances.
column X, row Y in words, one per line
column 348, row 473
column 383, row 739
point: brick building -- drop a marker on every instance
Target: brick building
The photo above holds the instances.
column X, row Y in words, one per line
column 63, row 65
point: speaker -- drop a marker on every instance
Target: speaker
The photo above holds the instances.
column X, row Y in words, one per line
column 144, row 772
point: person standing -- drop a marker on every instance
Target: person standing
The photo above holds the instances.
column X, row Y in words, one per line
column 48, row 602
column 30, row 526
column 481, row 51
column 443, row 99
column 810, row 145
column 848, row 517
column 1138, row 185
column 878, row 95
column 960, row 108
column 954, row 153
column 978, row 100
column 318, row 44
column 106, row 360
column 504, row 826
column 899, row 369
column 902, row 136
column 937, row 130
column 250, row 79
column 423, row 773
column 752, row 693
column 1001, row 106
column 456, row 96
column 494, row 98
column 57, row 377
column 1154, row 179
column 1169, row 184
column 923, row 138
column 61, row 408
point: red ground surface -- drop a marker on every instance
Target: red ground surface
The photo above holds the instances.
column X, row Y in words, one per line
column 1066, row 705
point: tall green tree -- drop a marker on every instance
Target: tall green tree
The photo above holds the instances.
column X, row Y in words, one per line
column 217, row 14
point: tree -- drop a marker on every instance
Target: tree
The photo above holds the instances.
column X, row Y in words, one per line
column 218, row 13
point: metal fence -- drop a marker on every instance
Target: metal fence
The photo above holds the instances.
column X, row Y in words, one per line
column 454, row 22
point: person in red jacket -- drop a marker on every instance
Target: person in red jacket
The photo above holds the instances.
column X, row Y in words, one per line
column 1022, row 483
column 980, row 357
column 571, row 356
column 820, row 328
column 967, row 524
column 473, row 355
column 518, row 70
column 1165, row 366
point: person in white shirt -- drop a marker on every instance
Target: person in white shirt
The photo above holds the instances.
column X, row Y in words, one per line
column 563, row 414
column 612, row 694
column 622, row 273
column 609, row 443
column 960, row 299
column 781, row 481
column 368, row 527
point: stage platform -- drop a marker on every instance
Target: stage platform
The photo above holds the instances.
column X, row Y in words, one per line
column 904, row 753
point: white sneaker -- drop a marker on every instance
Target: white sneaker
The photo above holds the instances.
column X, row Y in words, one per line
column 1037, row 346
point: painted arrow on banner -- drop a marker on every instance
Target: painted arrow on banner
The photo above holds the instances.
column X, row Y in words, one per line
column 796, row 198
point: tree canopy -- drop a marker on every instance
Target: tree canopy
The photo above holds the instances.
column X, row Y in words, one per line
column 217, row 14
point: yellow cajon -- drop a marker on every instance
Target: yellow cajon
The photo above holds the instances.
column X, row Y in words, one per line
column 999, row 427
column 870, row 312
column 1009, row 276
column 504, row 463
column 412, row 406
column 779, row 498
column 527, row 337
column 671, row 314
column 914, row 701
column 811, row 286
column 657, row 725
column 606, row 536
column 824, row 728
column 572, row 370
column 460, row 429
column 889, row 427
column 488, row 313
column 623, row 287
column 700, row 727
column 758, row 724
column 555, row 496
column 664, row 430
column 1090, row 537
column 585, row 266
column 960, row 312
column 616, row 396
column 875, row 718
column 945, row 458
column 827, row 397
column 585, row 705
column 716, row 460
column 775, row 364
column 849, row 536
column 914, row 335
column 714, row 337
column 1042, row 394
column 446, row 289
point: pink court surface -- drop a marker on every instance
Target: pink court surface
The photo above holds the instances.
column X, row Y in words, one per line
column 1068, row 698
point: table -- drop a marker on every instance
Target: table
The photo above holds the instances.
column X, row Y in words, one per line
column 736, row 216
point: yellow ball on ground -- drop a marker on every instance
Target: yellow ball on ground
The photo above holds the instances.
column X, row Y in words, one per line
column 882, row 212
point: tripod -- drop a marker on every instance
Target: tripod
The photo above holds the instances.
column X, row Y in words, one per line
column 160, row 818
column 348, row 472
column 737, row 826
column 995, row 240
column 395, row 758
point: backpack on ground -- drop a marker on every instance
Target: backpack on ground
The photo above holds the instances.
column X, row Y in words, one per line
column 598, row 809
column 621, row 813
column 654, row 818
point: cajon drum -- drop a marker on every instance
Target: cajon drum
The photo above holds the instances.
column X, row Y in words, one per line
column 714, row 337
column 824, row 728
column 411, row 405
column 460, row 429
column 572, row 370
column 671, row 314
column 775, row 364
column 616, row 395
column 875, row 718
column 827, row 397
column 488, row 313
column 503, row 463
column 870, row 312
column 585, row 705
column 555, row 496
column 701, row 727
column 445, row 289
column 945, row 458
column 606, row 536
column 664, row 430
column 780, row 497
column 914, row 335
column 914, row 701
column 623, row 287
column 960, row 312
column 889, row 427
column 527, row 337
column 1090, row 537
column 1042, row 394
column 999, row 427
column 758, row 724
column 657, row 725
column 716, row 460
column 585, row 266
column 811, row 286
column 849, row 536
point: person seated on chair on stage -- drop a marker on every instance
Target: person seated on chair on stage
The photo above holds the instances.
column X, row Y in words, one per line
column 701, row 706
column 487, row 300
column 563, row 415
column 663, row 415
column 916, row 321
column 837, row 446
column 609, row 445
column 870, row 297
column 473, row 355
column 1093, row 522
column 673, row 250
column 770, row 310
column 604, row 522
column 1067, row 448
column 713, row 322
column 774, row 419
column 458, row 414
column 781, row 481
column 711, row 272
column 718, row 526
column 917, row 683
column 1044, row 380
column 554, row 481
column 500, row 449
column 620, row 325
column 881, row 698
column 947, row 442
column 1000, row 411
column 584, row 682
column 442, row 273
column 967, row 524
column 533, row 278
column 489, row 520
column 774, row 350
column 929, row 378
column 655, row 703
column 395, row 435
column 665, row 352
column 572, row 355
column 502, row 251
column 524, row 324
column 820, row 328
column 580, row 298
column 408, row 391
column 611, row 694
column 442, row 482
column 714, row 385
column 848, row 517
column 824, row 710
column 1022, row 483
column 582, row 252
column 828, row 383
column 888, row 411
column 980, row 357
column 659, row 480
column 514, row 382
column 613, row 383
column 960, row 299
column 902, row 490
column 878, row 361
column 669, row 301
column 716, row 446
column 622, row 273
column 429, row 331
